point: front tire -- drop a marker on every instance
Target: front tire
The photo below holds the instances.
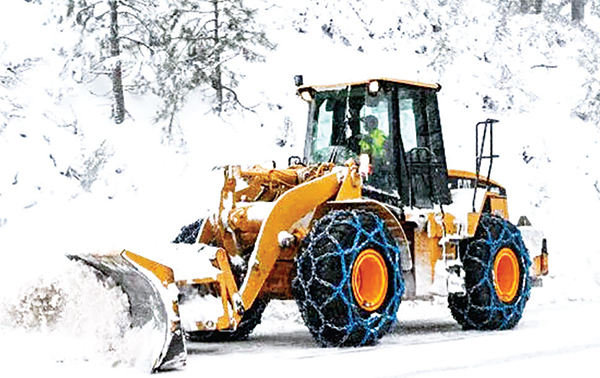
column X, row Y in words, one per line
column 349, row 280
column 189, row 233
column 251, row 318
column 496, row 264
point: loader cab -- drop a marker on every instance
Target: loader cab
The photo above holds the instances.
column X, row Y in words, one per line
column 392, row 128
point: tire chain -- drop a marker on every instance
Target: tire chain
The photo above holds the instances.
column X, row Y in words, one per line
column 493, row 234
column 354, row 321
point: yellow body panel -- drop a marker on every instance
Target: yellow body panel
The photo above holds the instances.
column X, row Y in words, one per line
column 427, row 249
column 287, row 210
column 472, row 176
column 498, row 205
column 473, row 219
column 494, row 200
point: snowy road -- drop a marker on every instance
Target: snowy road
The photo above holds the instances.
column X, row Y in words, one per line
column 551, row 340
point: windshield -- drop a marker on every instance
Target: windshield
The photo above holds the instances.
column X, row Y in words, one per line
column 347, row 123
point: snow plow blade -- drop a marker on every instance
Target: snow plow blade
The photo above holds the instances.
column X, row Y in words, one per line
column 152, row 297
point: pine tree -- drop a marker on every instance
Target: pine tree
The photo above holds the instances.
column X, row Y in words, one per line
column 203, row 37
column 117, row 72
column 528, row 6
column 116, row 38
column 577, row 10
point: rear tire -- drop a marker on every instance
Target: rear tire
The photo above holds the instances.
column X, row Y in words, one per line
column 349, row 280
column 496, row 264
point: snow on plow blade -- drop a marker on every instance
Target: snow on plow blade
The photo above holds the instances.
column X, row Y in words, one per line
column 152, row 297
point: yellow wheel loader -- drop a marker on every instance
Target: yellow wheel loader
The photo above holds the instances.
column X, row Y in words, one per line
column 368, row 217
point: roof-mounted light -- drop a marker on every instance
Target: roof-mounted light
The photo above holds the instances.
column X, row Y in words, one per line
column 373, row 87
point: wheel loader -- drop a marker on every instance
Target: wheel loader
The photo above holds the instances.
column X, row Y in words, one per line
column 368, row 217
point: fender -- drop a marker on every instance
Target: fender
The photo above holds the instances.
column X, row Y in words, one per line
column 391, row 221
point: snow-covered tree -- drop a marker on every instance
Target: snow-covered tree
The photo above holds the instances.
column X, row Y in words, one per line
column 205, row 38
column 577, row 10
column 528, row 6
column 116, row 39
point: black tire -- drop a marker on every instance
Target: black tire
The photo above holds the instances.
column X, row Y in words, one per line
column 251, row 318
column 323, row 286
column 189, row 233
column 485, row 305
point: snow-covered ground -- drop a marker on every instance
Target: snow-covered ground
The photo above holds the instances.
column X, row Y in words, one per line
column 551, row 340
column 140, row 187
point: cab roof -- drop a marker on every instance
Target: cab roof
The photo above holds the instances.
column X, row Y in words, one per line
column 318, row 88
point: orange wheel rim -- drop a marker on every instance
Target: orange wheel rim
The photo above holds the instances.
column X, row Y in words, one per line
column 369, row 280
column 506, row 275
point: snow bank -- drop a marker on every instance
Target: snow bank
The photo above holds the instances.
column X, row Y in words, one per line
column 68, row 317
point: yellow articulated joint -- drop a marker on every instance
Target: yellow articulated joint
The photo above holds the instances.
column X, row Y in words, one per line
column 162, row 272
column 229, row 293
column 224, row 321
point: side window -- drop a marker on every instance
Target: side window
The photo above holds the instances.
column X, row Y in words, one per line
column 322, row 127
column 375, row 126
column 377, row 142
column 379, row 111
column 408, row 125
